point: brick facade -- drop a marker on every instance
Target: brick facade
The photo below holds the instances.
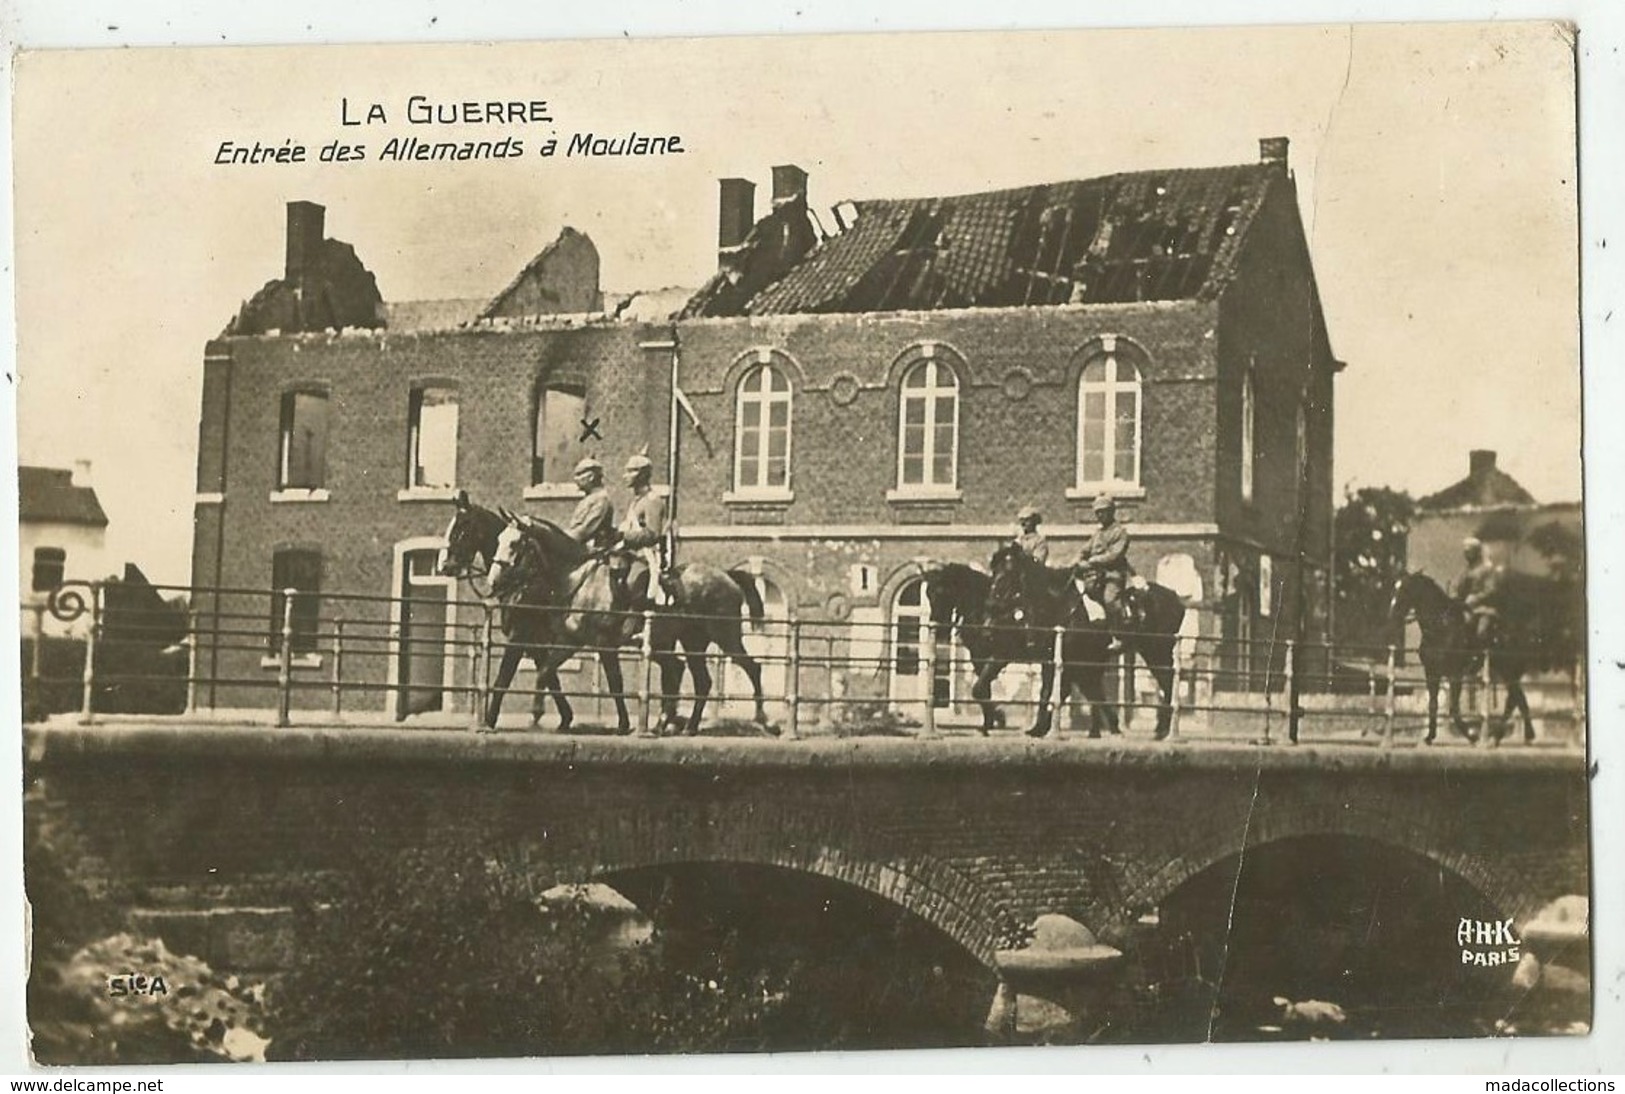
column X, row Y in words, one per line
column 844, row 537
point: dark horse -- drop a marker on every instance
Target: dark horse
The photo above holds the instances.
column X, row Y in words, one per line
column 1533, row 634
column 1000, row 616
column 471, row 544
column 570, row 601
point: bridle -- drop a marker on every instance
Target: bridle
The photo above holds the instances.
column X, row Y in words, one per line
column 1008, row 569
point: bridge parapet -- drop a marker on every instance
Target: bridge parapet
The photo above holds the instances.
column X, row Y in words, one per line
column 978, row 838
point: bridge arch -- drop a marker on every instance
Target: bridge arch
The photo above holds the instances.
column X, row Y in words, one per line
column 1408, row 832
column 927, row 888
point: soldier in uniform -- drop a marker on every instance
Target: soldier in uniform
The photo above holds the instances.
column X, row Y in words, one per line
column 1475, row 588
column 643, row 533
column 593, row 522
column 1030, row 539
column 1103, row 566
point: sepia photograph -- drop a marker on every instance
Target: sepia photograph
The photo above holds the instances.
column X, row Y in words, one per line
column 802, row 543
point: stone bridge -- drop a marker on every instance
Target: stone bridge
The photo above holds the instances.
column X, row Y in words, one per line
column 977, row 838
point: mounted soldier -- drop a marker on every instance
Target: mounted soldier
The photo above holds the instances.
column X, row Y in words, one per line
column 592, row 524
column 640, row 569
column 1475, row 590
column 1103, row 568
column 1030, row 539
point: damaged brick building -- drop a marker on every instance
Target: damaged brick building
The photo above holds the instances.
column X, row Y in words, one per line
column 866, row 402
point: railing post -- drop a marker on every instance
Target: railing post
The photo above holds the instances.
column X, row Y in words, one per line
column 338, row 665
column 928, row 659
column 36, row 666
column 1294, row 710
column 284, row 663
column 1269, row 690
column 191, row 660
column 482, row 668
column 1485, row 702
column 1057, row 694
column 1388, row 710
column 792, row 727
column 87, row 712
column 1175, row 690
column 1125, row 684
column 646, row 690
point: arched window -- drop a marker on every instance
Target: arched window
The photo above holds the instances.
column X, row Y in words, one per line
column 911, row 615
column 302, row 440
column 928, row 429
column 556, row 439
column 762, row 431
column 1109, row 421
column 431, row 442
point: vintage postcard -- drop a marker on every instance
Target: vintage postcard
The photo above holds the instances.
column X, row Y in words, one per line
column 801, row 543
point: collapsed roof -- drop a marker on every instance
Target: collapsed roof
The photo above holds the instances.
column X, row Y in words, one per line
column 1144, row 235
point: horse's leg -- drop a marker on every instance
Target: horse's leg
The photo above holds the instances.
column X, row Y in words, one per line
column 1163, row 673
column 1513, row 683
column 671, row 686
column 702, row 687
column 1043, row 717
column 982, row 690
column 732, row 645
column 1433, row 706
column 511, row 656
column 1457, row 722
column 611, row 660
column 1092, row 681
column 547, row 683
column 1108, row 710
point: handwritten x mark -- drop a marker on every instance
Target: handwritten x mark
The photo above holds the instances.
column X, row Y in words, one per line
column 589, row 430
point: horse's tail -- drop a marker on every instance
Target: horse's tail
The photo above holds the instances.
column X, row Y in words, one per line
column 753, row 598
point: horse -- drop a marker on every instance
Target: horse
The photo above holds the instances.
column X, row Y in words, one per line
column 1532, row 635
column 1030, row 587
column 997, row 628
column 538, row 564
column 471, row 545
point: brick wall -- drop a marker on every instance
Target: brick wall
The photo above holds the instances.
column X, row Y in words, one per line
column 973, row 841
column 1270, row 323
column 1018, row 413
column 368, row 378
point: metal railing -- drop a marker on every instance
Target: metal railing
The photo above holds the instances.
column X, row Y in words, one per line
column 332, row 656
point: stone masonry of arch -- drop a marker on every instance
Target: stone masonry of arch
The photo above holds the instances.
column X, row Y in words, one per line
column 977, row 840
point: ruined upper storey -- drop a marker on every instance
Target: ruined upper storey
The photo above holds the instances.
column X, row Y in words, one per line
column 1144, row 235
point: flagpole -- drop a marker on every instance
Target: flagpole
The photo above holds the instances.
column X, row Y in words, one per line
column 673, row 437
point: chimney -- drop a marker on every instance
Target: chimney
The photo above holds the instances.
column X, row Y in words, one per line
column 789, row 184
column 1272, row 151
column 81, row 473
column 736, row 213
column 1480, row 462
column 306, row 230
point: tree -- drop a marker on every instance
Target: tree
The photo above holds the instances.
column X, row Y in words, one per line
column 1371, row 531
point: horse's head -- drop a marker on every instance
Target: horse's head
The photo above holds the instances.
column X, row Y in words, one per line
column 1010, row 567
column 471, row 539
column 1417, row 596
column 954, row 591
column 512, row 560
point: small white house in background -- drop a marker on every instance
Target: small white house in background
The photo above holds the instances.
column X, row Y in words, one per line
column 62, row 530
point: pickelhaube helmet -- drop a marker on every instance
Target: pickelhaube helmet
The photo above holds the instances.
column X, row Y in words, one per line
column 1028, row 512
column 587, row 463
column 1103, row 503
column 639, row 462
column 1472, row 543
